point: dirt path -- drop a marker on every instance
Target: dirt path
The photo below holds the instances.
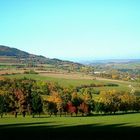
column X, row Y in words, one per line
column 111, row 80
column 67, row 76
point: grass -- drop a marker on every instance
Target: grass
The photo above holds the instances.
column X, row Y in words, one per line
column 100, row 127
column 123, row 86
column 62, row 81
column 125, row 119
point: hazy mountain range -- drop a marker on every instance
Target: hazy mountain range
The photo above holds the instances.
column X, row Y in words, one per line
column 109, row 61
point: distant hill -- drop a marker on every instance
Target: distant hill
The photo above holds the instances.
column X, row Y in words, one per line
column 13, row 55
column 7, row 51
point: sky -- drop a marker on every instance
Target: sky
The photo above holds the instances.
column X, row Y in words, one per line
column 72, row 29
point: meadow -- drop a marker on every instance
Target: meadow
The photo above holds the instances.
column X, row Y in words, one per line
column 67, row 80
column 97, row 127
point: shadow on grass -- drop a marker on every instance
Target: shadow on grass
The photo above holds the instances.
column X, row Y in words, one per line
column 19, row 125
column 41, row 130
column 117, row 113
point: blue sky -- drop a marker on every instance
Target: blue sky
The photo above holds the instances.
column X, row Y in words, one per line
column 72, row 29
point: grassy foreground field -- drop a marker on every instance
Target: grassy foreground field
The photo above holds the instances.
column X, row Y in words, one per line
column 97, row 127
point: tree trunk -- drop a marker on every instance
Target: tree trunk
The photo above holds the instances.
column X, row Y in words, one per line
column 24, row 114
column 15, row 114
column 33, row 115
column 50, row 114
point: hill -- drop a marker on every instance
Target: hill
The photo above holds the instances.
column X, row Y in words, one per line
column 7, row 51
column 13, row 56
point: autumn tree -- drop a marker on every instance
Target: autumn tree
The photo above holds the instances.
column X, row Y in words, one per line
column 54, row 87
column 127, row 101
column 55, row 103
column 71, row 108
column 66, row 96
column 76, row 101
column 87, row 98
column 22, row 102
column 109, row 101
column 84, row 108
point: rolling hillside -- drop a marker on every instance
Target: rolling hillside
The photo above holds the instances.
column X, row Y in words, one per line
column 16, row 55
column 15, row 58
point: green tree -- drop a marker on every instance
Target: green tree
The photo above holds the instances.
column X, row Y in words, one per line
column 41, row 87
column 36, row 104
column 51, row 108
column 2, row 105
column 136, row 104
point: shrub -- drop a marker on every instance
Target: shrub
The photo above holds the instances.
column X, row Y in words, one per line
column 30, row 72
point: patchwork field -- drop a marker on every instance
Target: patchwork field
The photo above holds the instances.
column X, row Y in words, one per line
column 79, row 79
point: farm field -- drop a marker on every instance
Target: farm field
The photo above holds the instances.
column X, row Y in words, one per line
column 100, row 127
column 62, row 81
column 67, row 80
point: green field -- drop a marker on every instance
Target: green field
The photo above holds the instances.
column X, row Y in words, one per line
column 123, row 85
column 70, row 127
column 62, row 81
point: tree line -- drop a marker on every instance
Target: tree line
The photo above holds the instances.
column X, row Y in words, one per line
column 27, row 96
